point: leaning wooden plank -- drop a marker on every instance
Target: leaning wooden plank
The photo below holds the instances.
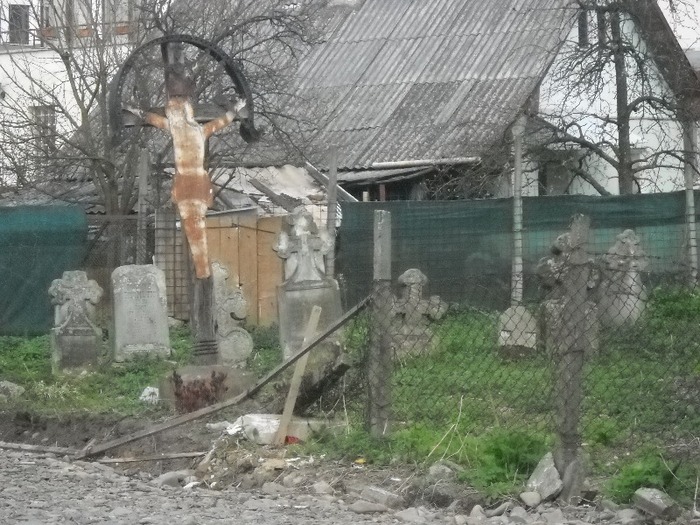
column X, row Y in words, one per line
column 323, row 180
column 156, row 457
column 186, row 418
column 299, row 370
column 39, row 449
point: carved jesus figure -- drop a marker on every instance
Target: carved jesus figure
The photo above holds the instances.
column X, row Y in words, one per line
column 192, row 190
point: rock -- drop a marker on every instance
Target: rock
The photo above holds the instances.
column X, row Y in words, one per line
column 150, row 395
column 656, row 503
column 519, row 516
column 274, row 464
column 322, row 487
column 292, row 480
column 382, row 496
column 461, row 519
column 414, row 515
column 175, row 478
column 628, row 517
column 367, row 507
column 477, row 512
column 10, row 390
column 439, row 472
column 553, row 517
column 500, row 510
column 273, row 489
column 531, row 499
column 545, row 479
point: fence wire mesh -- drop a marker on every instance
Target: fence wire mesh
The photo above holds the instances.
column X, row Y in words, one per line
column 602, row 353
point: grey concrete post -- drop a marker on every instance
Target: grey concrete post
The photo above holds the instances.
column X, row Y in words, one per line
column 379, row 359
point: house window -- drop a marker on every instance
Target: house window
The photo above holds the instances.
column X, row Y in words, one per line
column 44, row 129
column 18, row 22
column 583, row 28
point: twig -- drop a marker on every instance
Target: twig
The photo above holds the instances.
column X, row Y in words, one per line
column 38, row 448
column 453, row 426
column 157, row 457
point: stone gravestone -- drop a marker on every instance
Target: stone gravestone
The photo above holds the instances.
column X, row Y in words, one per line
column 571, row 334
column 140, row 312
column 517, row 333
column 303, row 246
column 230, row 310
column 411, row 334
column 75, row 339
column 622, row 296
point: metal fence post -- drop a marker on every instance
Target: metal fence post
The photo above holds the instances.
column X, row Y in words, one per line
column 379, row 359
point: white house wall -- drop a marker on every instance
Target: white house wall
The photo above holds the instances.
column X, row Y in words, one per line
column 647, row 134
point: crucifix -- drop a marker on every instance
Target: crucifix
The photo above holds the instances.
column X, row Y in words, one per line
column 192, row 190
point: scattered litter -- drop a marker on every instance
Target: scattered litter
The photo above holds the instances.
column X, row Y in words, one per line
column 150, row 395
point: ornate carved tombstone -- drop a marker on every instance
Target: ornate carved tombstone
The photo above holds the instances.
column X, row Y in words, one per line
column 621, row 294
column 566, row 277
column 75, row 339
column 303, row 245
column 412, row 315
column 230, row 311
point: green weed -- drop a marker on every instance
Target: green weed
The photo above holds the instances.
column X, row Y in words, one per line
column 267, row 352
column 650, row 469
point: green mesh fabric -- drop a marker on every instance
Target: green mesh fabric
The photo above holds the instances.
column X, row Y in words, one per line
column 465, row 247
column 37, row 244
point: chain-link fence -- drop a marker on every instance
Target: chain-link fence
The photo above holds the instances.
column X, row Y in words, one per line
column 602, row 354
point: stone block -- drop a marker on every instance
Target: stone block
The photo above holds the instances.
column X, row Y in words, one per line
column 657, row 503
column 295, row 302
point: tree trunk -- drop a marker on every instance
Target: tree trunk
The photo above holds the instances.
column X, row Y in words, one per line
column 624, row 153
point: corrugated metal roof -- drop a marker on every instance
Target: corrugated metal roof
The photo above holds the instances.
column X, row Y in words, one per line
column 416, row 79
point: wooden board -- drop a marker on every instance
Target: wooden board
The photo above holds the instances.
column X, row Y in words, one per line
column 270, row 269
column 295, row 384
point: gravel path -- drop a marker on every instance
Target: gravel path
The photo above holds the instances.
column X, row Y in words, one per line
column 42, row 489
column 45, row 489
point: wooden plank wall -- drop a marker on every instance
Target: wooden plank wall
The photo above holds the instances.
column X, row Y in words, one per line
column 243, row 243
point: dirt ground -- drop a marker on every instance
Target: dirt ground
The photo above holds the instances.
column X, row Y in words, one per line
column 234, row 463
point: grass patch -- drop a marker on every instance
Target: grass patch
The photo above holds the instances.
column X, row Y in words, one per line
column 108, row 389
column 460, row 399
column 648, row 468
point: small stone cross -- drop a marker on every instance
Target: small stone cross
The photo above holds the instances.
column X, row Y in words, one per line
column 74, row 296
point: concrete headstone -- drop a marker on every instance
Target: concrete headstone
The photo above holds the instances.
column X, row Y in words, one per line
column 517, row 334
column 303, row 246
column 76, row 341
column 140, row 312
column 621, row 294
column 412, row 315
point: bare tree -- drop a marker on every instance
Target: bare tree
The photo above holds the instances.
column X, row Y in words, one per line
column 616, row 105
column 55, row 117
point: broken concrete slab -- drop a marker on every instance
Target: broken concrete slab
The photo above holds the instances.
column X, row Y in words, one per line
column 262, row 428
column 657, row 503
column 382, row 496
column 545, row 479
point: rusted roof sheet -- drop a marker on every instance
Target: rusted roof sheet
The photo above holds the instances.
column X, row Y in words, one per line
column 415, row 79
